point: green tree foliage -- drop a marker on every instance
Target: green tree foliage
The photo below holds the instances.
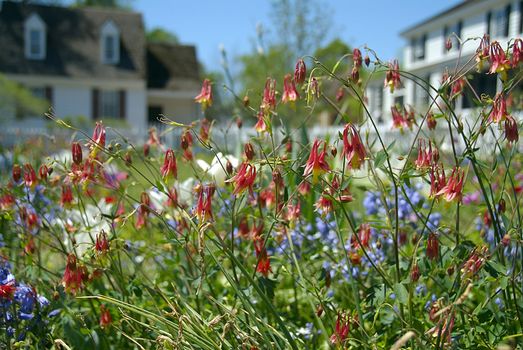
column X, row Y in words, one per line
column 161, row 35
column 17, row 100
column 122, row 4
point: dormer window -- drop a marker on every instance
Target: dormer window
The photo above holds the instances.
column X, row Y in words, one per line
column 35, row 35
column 110, row 43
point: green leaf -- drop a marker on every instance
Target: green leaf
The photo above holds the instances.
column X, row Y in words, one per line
column 380, row 158
column 402, row 295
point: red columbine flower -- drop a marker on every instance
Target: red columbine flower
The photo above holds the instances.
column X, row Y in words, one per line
column 43, row 171
column 263, row 265
column 7, row 291
column 499, row 62
column 482, row 52
column 437, row 179
column 67, row 196
column 453, row 188
column 244, row 178
column 357, row 58
column 392, row 79
column 169, row 167
column 98, row 139
column 143, row 210
column 102, row 244
column 499, row 109
column 425, row 155
column 76, row 151
column 205, row 130
column 324, row 204
column 353, row 148
column 261, row 125
column 316, row 163
column 511, row 129
column 205, row 96
column 399, row 121
column 17, row 173
column 105, row 317
column 517, row 52
column 432, row 246
column 341, row 332
column 153, row 139
column 300, row 72
column 290, row 94
column 248, row 150
column 29, row 175
column 204, row 202
column 74, row 275
column 457, row 88
column 364, row 233
column 269, row 95
column 186, row 140
column 474, row 263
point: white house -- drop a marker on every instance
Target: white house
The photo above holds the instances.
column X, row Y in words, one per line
column 94, row 63
column 426, row 56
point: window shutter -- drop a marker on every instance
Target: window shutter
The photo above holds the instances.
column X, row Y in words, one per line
column 49, row 94
column 489, row 17
column 122, row 103
column 95, row 106
column 521, row 16
column 507, row 19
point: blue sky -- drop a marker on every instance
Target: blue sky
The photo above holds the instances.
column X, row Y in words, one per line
column 232, row 23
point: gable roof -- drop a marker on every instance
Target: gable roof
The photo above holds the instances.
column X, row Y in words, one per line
column 443, row 13
column 73, row 42
column 171, row 66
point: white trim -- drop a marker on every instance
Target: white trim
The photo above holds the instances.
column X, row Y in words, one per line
column 35, row 24
column 66, row 81
column 160, row 93
column 110, row 31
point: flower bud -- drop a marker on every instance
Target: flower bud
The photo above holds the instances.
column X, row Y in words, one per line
column 505, row 240
column 146, row 149
column 300, row 71
column 17, row 173
column 432, row 246
column 334, row 151
column 246, row 101
column 239, row 122
column 339, row 94
column 367, row 60
column 414, row 273
column 448, row 44
column 229, row 168
column 249, row 151
column 502, row 206
column 431, row 122
column 76, row 150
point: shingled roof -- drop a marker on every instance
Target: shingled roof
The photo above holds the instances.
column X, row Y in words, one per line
column 73, row 42
column 171, row 66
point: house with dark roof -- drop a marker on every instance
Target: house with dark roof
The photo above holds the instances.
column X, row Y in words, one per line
column 95, row 63
column 426, row 55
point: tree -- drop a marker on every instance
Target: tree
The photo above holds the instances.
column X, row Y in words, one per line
column 18, row 100
column 161, row 35
column 122, row 4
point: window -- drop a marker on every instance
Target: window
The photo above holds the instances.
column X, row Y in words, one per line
column 154, row 112
column 109, row 106
column 453, row 32
column 110, row 43
column 498, row 22
column 418, row 48
column 421, row 96
column 521, row 16
column 482, row 84
column 398, row 101
column 35, row 35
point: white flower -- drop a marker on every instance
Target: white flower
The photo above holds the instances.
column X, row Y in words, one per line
column 217, row 168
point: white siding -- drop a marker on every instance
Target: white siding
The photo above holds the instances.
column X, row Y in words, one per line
column 72, row 101
column 136, row 106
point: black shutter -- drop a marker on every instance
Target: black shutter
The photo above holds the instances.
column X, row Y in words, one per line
column 489, row 17
column 121, row 98
column 49, row 94
column 507, row 19
column 95, row 106
column 459, row 29
column 521, row 16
